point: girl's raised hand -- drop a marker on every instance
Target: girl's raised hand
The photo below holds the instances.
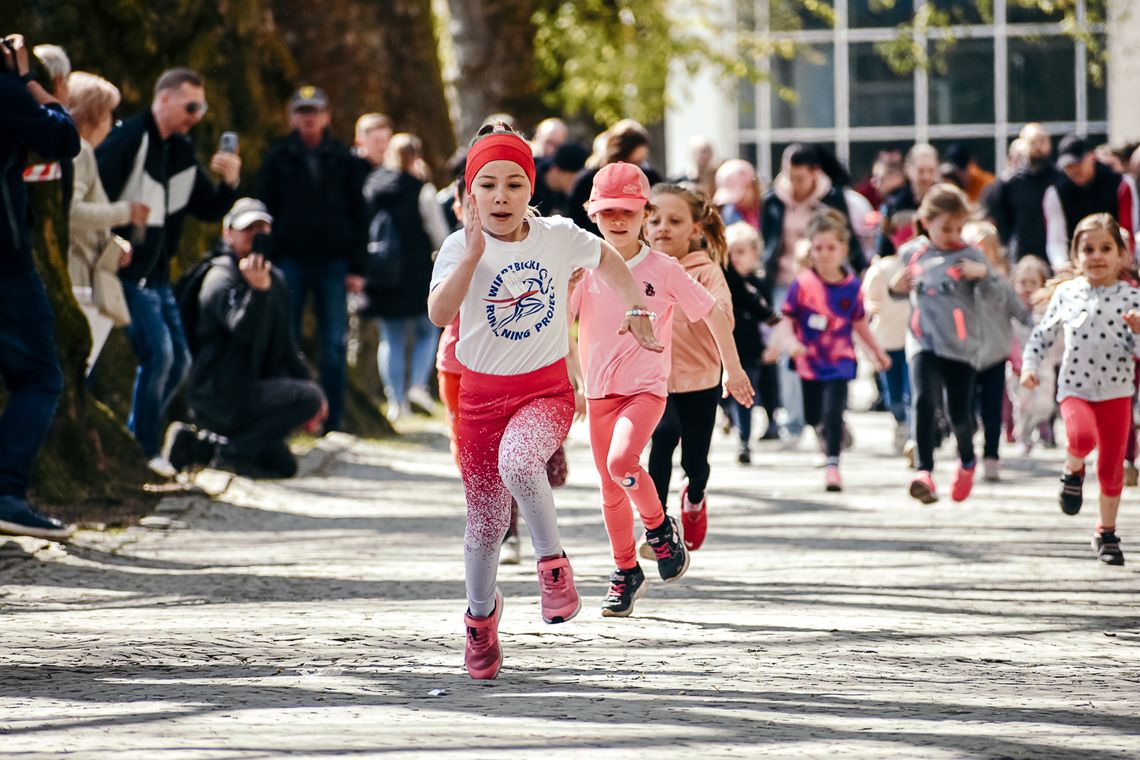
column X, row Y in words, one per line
column 642, row 330
column 1132, row 319
column 736, row 385
column 1029, row 379
column 473, row 229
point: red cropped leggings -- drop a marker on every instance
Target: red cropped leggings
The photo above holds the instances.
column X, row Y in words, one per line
column 1102, row 425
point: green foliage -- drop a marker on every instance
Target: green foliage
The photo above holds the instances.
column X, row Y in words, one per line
column 611, row 58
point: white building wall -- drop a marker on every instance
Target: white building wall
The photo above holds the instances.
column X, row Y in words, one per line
column 1123, row 71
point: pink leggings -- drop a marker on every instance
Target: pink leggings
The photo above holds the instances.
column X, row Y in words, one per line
column 620, row 428
column 508, row 429
column 1103, row 425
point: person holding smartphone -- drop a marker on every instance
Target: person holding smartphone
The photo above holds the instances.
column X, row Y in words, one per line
column 150, row 159
column 30, row 119
column 249, row 388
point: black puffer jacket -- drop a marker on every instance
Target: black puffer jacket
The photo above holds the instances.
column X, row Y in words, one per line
column 243, row 336
column 398, row 193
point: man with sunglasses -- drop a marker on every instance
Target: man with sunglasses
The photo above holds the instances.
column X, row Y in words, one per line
column 150, row 159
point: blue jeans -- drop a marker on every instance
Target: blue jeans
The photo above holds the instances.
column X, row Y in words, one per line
column 896, row 387
column 159, row 342
column 390, row 357
column 31, row 371
column 791, row 393
column 326, row 283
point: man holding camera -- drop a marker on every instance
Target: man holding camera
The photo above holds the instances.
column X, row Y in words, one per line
column 150, row 160
column 249, row 388
column 30, row 119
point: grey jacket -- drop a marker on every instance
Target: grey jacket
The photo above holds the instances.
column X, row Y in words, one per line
column 997, row 316
column 946, row 309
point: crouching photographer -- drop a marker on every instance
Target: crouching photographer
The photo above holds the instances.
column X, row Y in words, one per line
column 30, row 120
column 249, row 388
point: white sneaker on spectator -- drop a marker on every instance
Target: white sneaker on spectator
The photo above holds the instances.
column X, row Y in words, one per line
column 161, row 466
column 420, row 400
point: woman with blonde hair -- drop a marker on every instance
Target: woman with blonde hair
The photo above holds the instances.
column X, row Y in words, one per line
column 95, row 254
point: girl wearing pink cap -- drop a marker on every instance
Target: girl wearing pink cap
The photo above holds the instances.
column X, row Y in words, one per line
column 506, row 274
column 626, row 386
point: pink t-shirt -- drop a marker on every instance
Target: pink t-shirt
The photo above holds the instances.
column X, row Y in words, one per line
column 445, row 360
column 614, row 364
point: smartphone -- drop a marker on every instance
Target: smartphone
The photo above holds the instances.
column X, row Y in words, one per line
column 263, row 244
column 228, row 142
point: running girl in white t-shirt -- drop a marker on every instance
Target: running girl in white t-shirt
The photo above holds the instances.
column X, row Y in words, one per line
column 626, row 387
column 506, row 274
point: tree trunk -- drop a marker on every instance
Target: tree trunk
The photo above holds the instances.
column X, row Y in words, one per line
column 494, row 48
column 372, row 55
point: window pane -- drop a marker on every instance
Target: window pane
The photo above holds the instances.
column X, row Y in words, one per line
column 1031, row 12
column 748, row 152
column 981, row 149
column 746, row 104
column 1041, row 79
column 870, row 13
column 791, row 15
column 966, row 13
column 879, row 97
column 1098, row 97
column 810, row 78
column 964, row 92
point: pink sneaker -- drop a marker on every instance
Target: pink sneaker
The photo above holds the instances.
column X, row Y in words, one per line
column 963, row 482
column 694, row 520
column 922, row 487
column 560, row 600
column 831, row 479
column 483, row 655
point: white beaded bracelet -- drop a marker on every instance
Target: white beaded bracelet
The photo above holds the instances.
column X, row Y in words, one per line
column 641, row 313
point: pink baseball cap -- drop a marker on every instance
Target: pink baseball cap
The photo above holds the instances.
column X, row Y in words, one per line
column 619, row 185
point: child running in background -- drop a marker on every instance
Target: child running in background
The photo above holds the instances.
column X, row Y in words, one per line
column 997, row 312
column 506, row 275
column 626, row 386
column 1030, row 408
column 888, row 318
column 946, row 281
column 750, row 311
column 1096, row 315
column 686, row 226
column 824, row 308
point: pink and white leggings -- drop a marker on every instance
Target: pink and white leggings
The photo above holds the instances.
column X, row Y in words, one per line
column 509, row 426
column 620, row 428
column 1103, row 425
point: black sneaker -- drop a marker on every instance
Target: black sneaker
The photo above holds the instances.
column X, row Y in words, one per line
column 626, row 587
column 1107, row 548
column 185, row 446
column 745, row 456
column 17, row 518
column 669, row 549
column 1072, row 496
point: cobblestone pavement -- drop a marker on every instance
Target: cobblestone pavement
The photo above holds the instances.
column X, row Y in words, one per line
column 323, row 617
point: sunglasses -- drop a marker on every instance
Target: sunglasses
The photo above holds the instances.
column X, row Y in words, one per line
column 196, row 107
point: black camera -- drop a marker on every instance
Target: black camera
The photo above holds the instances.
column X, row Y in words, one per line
column 10, row 67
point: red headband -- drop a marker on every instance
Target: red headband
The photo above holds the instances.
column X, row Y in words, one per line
column 499, row 147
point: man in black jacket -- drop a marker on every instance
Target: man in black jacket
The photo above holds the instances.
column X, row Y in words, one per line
column 30, row 118
column 150, row 160
column 249, row 388
column 1016, row 204
column 312, row 186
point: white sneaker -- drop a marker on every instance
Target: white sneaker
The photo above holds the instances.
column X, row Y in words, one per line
column 396, row 412
column 510, row 551
column 901, row 435
column 420, row 400
column 161, row 466
column 991, row 469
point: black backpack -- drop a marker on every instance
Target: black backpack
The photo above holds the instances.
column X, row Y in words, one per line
column 186, row 292
column 385, row 268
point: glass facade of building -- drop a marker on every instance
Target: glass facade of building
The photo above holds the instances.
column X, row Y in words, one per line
column 996, row 66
